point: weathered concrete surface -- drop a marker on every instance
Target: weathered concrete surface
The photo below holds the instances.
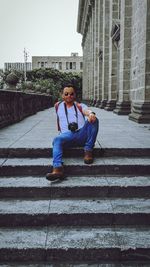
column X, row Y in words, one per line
column 96, row 211
column 76, row 166
column 39, row 130
column 76, row 161
column 107, row 243
column 72, row 264
column 112, row 193
column 74, row 181
column 73, row 187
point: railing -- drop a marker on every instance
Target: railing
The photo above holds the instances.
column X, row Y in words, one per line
column 15, row 106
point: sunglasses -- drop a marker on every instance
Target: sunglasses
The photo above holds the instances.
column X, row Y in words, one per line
column 71, row 94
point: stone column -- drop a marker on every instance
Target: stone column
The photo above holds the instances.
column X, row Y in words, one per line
column 88, row 55
column 105, row 67
column 91, row 71
column 123, row 103
column 96, row 65
column 100, row 49
column 113, row 34
column 85, row 70
column 140, row 69
column 85, row 27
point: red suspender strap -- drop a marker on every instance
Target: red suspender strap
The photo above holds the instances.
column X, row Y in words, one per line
column 80, row 108
column 56, row 106
column 56, row 109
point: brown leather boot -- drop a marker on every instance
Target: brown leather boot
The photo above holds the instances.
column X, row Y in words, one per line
column 88, row 157
column 57, row 173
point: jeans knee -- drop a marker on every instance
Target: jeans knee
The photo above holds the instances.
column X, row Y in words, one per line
column 93, row 125
column 57, row 140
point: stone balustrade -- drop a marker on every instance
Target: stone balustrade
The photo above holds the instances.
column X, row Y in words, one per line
column 15, row 106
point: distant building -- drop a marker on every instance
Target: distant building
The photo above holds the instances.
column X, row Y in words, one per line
column 73, row 63
column 20, row 66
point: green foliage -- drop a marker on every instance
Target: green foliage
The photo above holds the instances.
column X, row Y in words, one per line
column 47, row 81
column 51, row 81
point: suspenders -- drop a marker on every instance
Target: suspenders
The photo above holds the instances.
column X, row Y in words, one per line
column 76, row 105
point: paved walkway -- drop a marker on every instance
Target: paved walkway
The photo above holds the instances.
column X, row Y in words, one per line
column 39, row 130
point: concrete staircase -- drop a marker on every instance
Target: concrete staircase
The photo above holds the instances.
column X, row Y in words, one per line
column 98, row 216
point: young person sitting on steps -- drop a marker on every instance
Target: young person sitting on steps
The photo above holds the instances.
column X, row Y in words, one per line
column 78, row 126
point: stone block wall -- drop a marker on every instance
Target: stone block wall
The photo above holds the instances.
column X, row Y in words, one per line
column 113, row 56
column 116, row 74
column 138, row 55
column 15, row 106
column 105, row 66
column 140, row 58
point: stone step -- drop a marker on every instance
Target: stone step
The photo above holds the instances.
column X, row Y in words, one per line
column 96, row 211
column 78, row 264
column 74, row 152
column 79, row 244
column 75, row 186
column 76, row 166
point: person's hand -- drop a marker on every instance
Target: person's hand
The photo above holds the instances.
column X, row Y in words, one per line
column 92, row 117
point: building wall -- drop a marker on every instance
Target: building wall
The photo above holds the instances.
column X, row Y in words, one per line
column 138, row 57
column 116, row 55
column 73, row 63
column 20, row 66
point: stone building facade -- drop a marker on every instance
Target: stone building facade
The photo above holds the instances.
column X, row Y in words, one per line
column 73, row 63
column 116, row 55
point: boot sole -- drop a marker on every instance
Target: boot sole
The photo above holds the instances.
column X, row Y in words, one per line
column 88, row 161
column 52, row 179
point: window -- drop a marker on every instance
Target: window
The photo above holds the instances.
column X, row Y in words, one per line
column 42, row 64
column 70, row 65
column 81, row 65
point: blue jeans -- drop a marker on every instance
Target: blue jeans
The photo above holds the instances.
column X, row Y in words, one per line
column 85, row 137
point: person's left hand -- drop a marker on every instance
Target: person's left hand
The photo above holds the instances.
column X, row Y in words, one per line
column 92, row 117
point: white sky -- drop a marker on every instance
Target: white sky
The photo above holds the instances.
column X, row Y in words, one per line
column 43, row 27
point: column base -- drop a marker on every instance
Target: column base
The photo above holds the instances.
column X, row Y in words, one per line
column 92, row 103
column 140, row 112
column 103, row 104
column 111, row 104
column 123, row 108
column 98, row 102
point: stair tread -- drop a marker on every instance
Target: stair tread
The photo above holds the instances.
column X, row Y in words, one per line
column 75, row 206
column 76, row 237
column 75, row 181
column 76, row 161
column 79, row 264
